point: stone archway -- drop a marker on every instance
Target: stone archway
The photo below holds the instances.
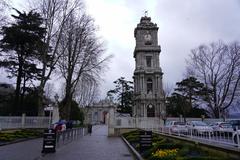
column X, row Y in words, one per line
column 150, row 111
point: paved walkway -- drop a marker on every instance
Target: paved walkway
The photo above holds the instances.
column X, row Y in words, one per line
column 95, row 147
column 27, row 150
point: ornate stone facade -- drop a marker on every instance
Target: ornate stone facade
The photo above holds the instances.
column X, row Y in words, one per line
column 98, row 112
column 149, row 98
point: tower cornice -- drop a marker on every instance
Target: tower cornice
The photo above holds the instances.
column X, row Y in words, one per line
column 146, row 49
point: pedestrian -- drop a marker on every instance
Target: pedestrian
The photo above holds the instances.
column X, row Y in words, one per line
column 90, row 128
column 58, row 127
column 69, row 124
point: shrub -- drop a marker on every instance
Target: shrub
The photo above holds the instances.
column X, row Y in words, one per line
column 25, row 133
column 132, row 138
column 156, row 138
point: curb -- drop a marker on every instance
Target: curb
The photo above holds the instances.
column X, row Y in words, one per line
column 136, row 154
column 18, row 141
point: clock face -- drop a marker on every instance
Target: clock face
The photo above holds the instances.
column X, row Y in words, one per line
column 150, row 106
column 148, row 38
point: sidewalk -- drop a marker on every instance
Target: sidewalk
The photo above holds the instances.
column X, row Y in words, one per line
column 27, row 150
column 95, row 147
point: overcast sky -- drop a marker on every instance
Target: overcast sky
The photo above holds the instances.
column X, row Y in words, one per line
column 183, row 25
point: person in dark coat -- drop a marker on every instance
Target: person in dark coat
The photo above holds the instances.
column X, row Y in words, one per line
column 90, row 128
column 69, row 125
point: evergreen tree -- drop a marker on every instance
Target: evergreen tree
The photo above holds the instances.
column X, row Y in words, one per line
column 177, row 105
column 22, row 45
column 186, row 99
column 123, row 95
column 76, row 112
column 191, row 89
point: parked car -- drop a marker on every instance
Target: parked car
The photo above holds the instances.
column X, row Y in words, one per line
column 177, row 127
column 199, row 127
column 222, row 127
column 235, row 124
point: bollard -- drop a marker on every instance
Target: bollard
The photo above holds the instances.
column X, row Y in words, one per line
column 238, row 140
column 191, row 134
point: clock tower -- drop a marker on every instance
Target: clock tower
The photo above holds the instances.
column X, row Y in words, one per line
column 148, row 89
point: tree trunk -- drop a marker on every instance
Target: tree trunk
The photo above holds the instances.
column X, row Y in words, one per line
column 66, row 105
column 65, row 108
column 18, row 87
column 22, row 94
column 40, row 101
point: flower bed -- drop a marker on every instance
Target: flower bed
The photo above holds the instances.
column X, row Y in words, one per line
column 168, row 149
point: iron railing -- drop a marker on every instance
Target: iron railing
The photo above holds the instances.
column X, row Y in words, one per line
column 69, row 135
column 225, row 138
column 220, row 138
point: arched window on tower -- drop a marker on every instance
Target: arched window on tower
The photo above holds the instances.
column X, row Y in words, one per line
column 150, row 111
column 149, row 85
column 149, row 61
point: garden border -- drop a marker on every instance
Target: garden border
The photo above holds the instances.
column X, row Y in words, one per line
column 232, row 151
column 136, row 154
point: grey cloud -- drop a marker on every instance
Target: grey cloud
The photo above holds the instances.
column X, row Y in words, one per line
column 183, row 25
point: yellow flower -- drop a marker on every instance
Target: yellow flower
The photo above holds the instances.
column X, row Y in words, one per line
column 165, row 152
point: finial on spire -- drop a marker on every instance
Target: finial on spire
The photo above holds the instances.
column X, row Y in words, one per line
column 146, row 13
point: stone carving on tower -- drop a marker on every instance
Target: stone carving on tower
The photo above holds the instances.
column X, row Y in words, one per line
column 148, row 89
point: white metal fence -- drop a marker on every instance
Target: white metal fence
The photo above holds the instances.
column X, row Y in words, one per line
column 10, row 122
column 230, row 139
column 217, row 138
column 207, row 120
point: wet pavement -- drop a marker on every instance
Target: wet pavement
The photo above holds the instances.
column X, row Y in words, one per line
column 90, row 147
column 93, row 147
column 27, row 150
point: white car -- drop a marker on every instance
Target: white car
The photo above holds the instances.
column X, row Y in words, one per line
column 177, row 127
column 222, row 127
column 199, row 127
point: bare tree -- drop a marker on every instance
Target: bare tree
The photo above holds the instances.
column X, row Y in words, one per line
column 56, row 13
column 87, row 90
column 217, row 66
column 49, row 90
column 81, row 58
column 168, row 89
column 4, row 6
